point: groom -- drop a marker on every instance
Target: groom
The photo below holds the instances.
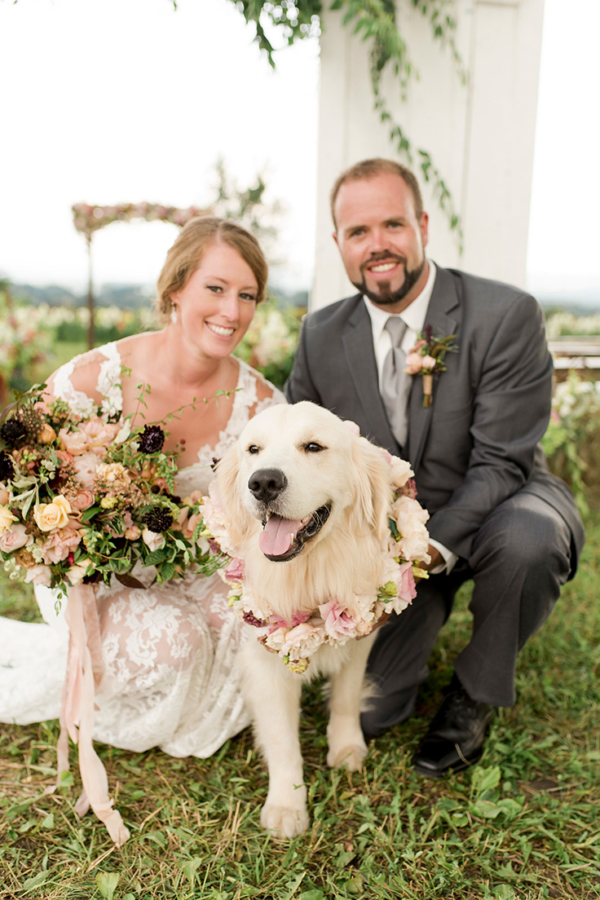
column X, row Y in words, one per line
column 497, row 515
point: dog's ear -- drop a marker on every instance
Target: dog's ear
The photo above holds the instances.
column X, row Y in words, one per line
column 227, row 483
column 373, row 482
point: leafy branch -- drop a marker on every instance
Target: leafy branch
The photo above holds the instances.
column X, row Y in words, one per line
column 374, row 21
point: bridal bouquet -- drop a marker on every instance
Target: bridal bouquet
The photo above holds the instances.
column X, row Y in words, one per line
column 86, row 498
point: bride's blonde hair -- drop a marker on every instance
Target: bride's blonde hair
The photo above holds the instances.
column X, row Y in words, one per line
column 185, row 256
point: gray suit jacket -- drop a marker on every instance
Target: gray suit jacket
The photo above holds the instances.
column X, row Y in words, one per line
column 478, row 443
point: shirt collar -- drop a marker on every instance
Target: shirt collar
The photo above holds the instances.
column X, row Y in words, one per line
column 413, row 315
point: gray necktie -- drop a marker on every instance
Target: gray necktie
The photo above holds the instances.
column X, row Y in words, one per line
column 395, row 382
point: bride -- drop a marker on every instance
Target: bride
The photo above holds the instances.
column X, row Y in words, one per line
column 168, row 652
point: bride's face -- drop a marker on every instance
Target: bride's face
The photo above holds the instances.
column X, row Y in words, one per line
column 218, row 303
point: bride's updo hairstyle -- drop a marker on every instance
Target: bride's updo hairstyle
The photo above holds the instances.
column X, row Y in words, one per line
column 185, row 256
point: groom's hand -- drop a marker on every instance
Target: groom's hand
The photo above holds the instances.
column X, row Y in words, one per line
column 436, row 559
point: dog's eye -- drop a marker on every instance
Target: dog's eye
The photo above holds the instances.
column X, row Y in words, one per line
column 313, row 447
column 253, row 448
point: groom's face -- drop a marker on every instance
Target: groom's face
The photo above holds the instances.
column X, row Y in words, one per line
column 381, row 240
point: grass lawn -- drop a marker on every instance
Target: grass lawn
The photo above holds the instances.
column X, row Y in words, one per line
column 525, row 823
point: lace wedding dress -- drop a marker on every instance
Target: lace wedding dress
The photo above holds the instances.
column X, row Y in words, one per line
column 169, row 652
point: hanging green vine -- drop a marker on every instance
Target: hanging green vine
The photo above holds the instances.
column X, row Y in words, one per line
column 374, row 21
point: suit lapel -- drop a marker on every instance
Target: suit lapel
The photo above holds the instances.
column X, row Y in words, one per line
column 443, row 316
column 360, row 356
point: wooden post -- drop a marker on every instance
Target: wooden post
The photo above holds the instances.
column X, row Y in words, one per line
column 90, row 296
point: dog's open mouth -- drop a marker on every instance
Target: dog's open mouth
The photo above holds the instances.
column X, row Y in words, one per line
column 282, row 539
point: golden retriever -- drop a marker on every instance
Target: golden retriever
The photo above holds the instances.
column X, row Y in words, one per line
column 308, row 500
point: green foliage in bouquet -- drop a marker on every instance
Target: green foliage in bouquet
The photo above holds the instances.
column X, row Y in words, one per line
column 86, row 498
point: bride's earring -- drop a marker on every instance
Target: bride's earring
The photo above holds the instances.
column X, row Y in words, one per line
column 173, row 314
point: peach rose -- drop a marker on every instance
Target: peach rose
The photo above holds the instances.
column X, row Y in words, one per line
column 99, row 433
column 50, row 516
column 4, row 496
column 85, row 466
column 132, row 533
column 47, row 434
column 74, row 442
column 15, row 538
column 39, row 575
column 6, row 519
column 83, row 500
column 114, row 474
column 76, row 573
column 413, row 363
column 153, row 540
column 60, row 544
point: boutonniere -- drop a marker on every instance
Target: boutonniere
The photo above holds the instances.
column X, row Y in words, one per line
column 426, row 358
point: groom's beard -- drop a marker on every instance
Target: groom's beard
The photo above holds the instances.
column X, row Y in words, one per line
column 384, row 296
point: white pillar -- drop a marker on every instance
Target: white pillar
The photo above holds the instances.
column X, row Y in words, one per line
column 480, row 135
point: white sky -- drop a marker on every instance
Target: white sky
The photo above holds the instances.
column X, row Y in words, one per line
column 126, row 100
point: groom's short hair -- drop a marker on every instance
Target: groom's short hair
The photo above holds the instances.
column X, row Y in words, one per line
column 370, row 168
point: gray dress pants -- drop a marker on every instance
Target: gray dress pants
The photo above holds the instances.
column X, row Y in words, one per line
column 520, row 559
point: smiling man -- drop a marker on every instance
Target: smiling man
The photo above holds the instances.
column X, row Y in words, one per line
column 497, row 514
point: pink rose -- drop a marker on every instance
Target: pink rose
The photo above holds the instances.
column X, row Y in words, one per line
column 413, row 363
column 100, row 434
column 405, row 582
column 59, row 545
column 337, row 621
column 74, row 442
column 235, row 570
column 190, row 525
column 428, row 362
column 153, row 540
column 39, row 575
column 64, row 457
column 401, row 471
column 83, row 500
column 14, row 539
column 85, row 467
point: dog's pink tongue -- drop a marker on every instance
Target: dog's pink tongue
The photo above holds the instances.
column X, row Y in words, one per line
column 277, row 535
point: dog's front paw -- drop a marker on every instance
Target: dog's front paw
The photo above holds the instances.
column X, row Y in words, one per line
column 352, row 757
column 284, row 821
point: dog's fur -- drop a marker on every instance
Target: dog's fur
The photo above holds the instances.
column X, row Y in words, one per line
column 345, row 558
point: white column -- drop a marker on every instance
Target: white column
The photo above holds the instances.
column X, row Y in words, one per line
column 480, row 135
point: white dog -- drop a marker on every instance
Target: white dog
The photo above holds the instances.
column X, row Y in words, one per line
column 308, row 501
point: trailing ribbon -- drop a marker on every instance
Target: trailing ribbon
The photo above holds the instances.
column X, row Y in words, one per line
column 84, row 674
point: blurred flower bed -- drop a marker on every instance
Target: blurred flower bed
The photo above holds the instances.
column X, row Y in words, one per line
column 34, row 340
column 565, row 324
column 572, row 441
column 270, row 342
column 25, row 341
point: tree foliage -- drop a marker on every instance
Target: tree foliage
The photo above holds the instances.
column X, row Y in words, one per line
column 375, row 22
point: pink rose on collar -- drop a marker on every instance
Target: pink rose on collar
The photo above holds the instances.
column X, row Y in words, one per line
column 234, row 570
column 337, row 621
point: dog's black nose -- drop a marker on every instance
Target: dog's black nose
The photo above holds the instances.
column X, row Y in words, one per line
column 267, row 484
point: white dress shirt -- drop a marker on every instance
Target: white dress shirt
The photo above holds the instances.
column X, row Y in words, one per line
column 414, row 317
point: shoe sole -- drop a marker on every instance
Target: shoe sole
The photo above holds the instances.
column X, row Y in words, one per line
column 460, row 766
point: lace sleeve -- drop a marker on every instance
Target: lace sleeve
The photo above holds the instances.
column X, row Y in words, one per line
column 108, row 384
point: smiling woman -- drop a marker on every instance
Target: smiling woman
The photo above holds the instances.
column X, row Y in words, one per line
column 167, row 656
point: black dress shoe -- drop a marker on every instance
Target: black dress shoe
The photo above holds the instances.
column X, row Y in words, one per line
column 456, row 735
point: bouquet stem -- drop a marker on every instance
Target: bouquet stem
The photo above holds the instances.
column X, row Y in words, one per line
column 427, row 389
